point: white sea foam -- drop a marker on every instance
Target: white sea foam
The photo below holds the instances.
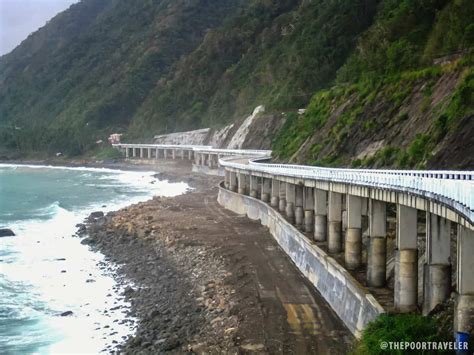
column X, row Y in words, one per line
column 53, row 272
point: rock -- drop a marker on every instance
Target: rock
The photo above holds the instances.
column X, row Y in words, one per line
column 5, row 232
column 128, row 291
column 95, row 215
column 253, row 347
column 67, row 314
column 60, row 259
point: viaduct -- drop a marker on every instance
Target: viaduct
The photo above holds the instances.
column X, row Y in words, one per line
column 334, row 224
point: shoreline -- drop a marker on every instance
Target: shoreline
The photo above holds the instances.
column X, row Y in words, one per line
column 206, row 280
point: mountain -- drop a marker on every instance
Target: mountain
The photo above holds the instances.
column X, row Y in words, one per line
column 385, row 83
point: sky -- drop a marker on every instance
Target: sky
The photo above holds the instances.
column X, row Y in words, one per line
column 19, row 18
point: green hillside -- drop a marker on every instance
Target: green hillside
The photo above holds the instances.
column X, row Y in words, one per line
column 408, row 86
column 385, row 83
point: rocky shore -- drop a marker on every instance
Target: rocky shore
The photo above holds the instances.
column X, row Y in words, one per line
column 208, row 281
column 180, row 297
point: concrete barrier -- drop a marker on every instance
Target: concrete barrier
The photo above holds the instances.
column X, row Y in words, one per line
column 348, row 298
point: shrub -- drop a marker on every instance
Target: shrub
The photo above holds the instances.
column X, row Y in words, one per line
column 398, row 328
column 108, row 153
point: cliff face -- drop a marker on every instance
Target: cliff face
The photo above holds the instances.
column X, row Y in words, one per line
column 253, row 132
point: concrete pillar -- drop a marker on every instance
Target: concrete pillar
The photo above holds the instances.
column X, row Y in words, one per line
column 406, row 260
column 190, row 155
column 464, row 307
column 127, row 153
column 364, row 209
column 275, row 199
column 282, row 197
column 141, row 153
column 308, row 205
column 233, row 181
column 377, row 255
column 165, row 153
column 197, row 158
column 320, row 215
column 253, row 186
column 203, row 159
column 437, row 270
column 149, row 153
column 243, row 186
column 290, row 202
column 226, row 179
column 173, row 153
column 353, row 245
column 266, row 189
column 335, row 222
column 299, row 211
column 157, row 154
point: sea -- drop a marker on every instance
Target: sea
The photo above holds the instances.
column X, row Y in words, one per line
column 45, row 271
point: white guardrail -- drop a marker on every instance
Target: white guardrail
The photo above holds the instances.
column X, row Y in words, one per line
column 452, row 188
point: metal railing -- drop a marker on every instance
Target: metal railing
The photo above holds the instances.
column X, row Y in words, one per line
column 452, row 188
column 162, row 146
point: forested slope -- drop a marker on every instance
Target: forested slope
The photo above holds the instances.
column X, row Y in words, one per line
column 385, row 83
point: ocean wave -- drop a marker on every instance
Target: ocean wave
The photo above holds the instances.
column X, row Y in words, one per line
column 73, row 168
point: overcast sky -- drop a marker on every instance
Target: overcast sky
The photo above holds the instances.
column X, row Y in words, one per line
column 19, row 18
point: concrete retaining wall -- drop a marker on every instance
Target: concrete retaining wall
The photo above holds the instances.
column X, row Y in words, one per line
column 349, row 299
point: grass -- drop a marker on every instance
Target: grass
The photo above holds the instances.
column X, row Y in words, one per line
column 399, row 328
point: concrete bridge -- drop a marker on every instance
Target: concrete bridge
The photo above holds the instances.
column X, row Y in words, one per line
column 333, row 225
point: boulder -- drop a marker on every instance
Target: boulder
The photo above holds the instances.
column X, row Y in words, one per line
column 5, row 232
column 96, row 215
column 67, row 314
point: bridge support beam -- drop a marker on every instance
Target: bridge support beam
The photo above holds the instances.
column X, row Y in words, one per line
column 165, row 153
column 173, row 153
column 464, row 309
column 353, row 245
column 226, row 179
column 149, row 153
column 127, row 153
column 141, row 153
column 299, row 212
column 290, row 202
column 282, row 200
column 335, row 222
column 243, row 185
column 253, row 186
column 275, row 199
column 377, row 255
column 266, row 189
column 233, row 181
column 437, row 270
column 320, row 215
column 308, row 197
column 406, row 260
